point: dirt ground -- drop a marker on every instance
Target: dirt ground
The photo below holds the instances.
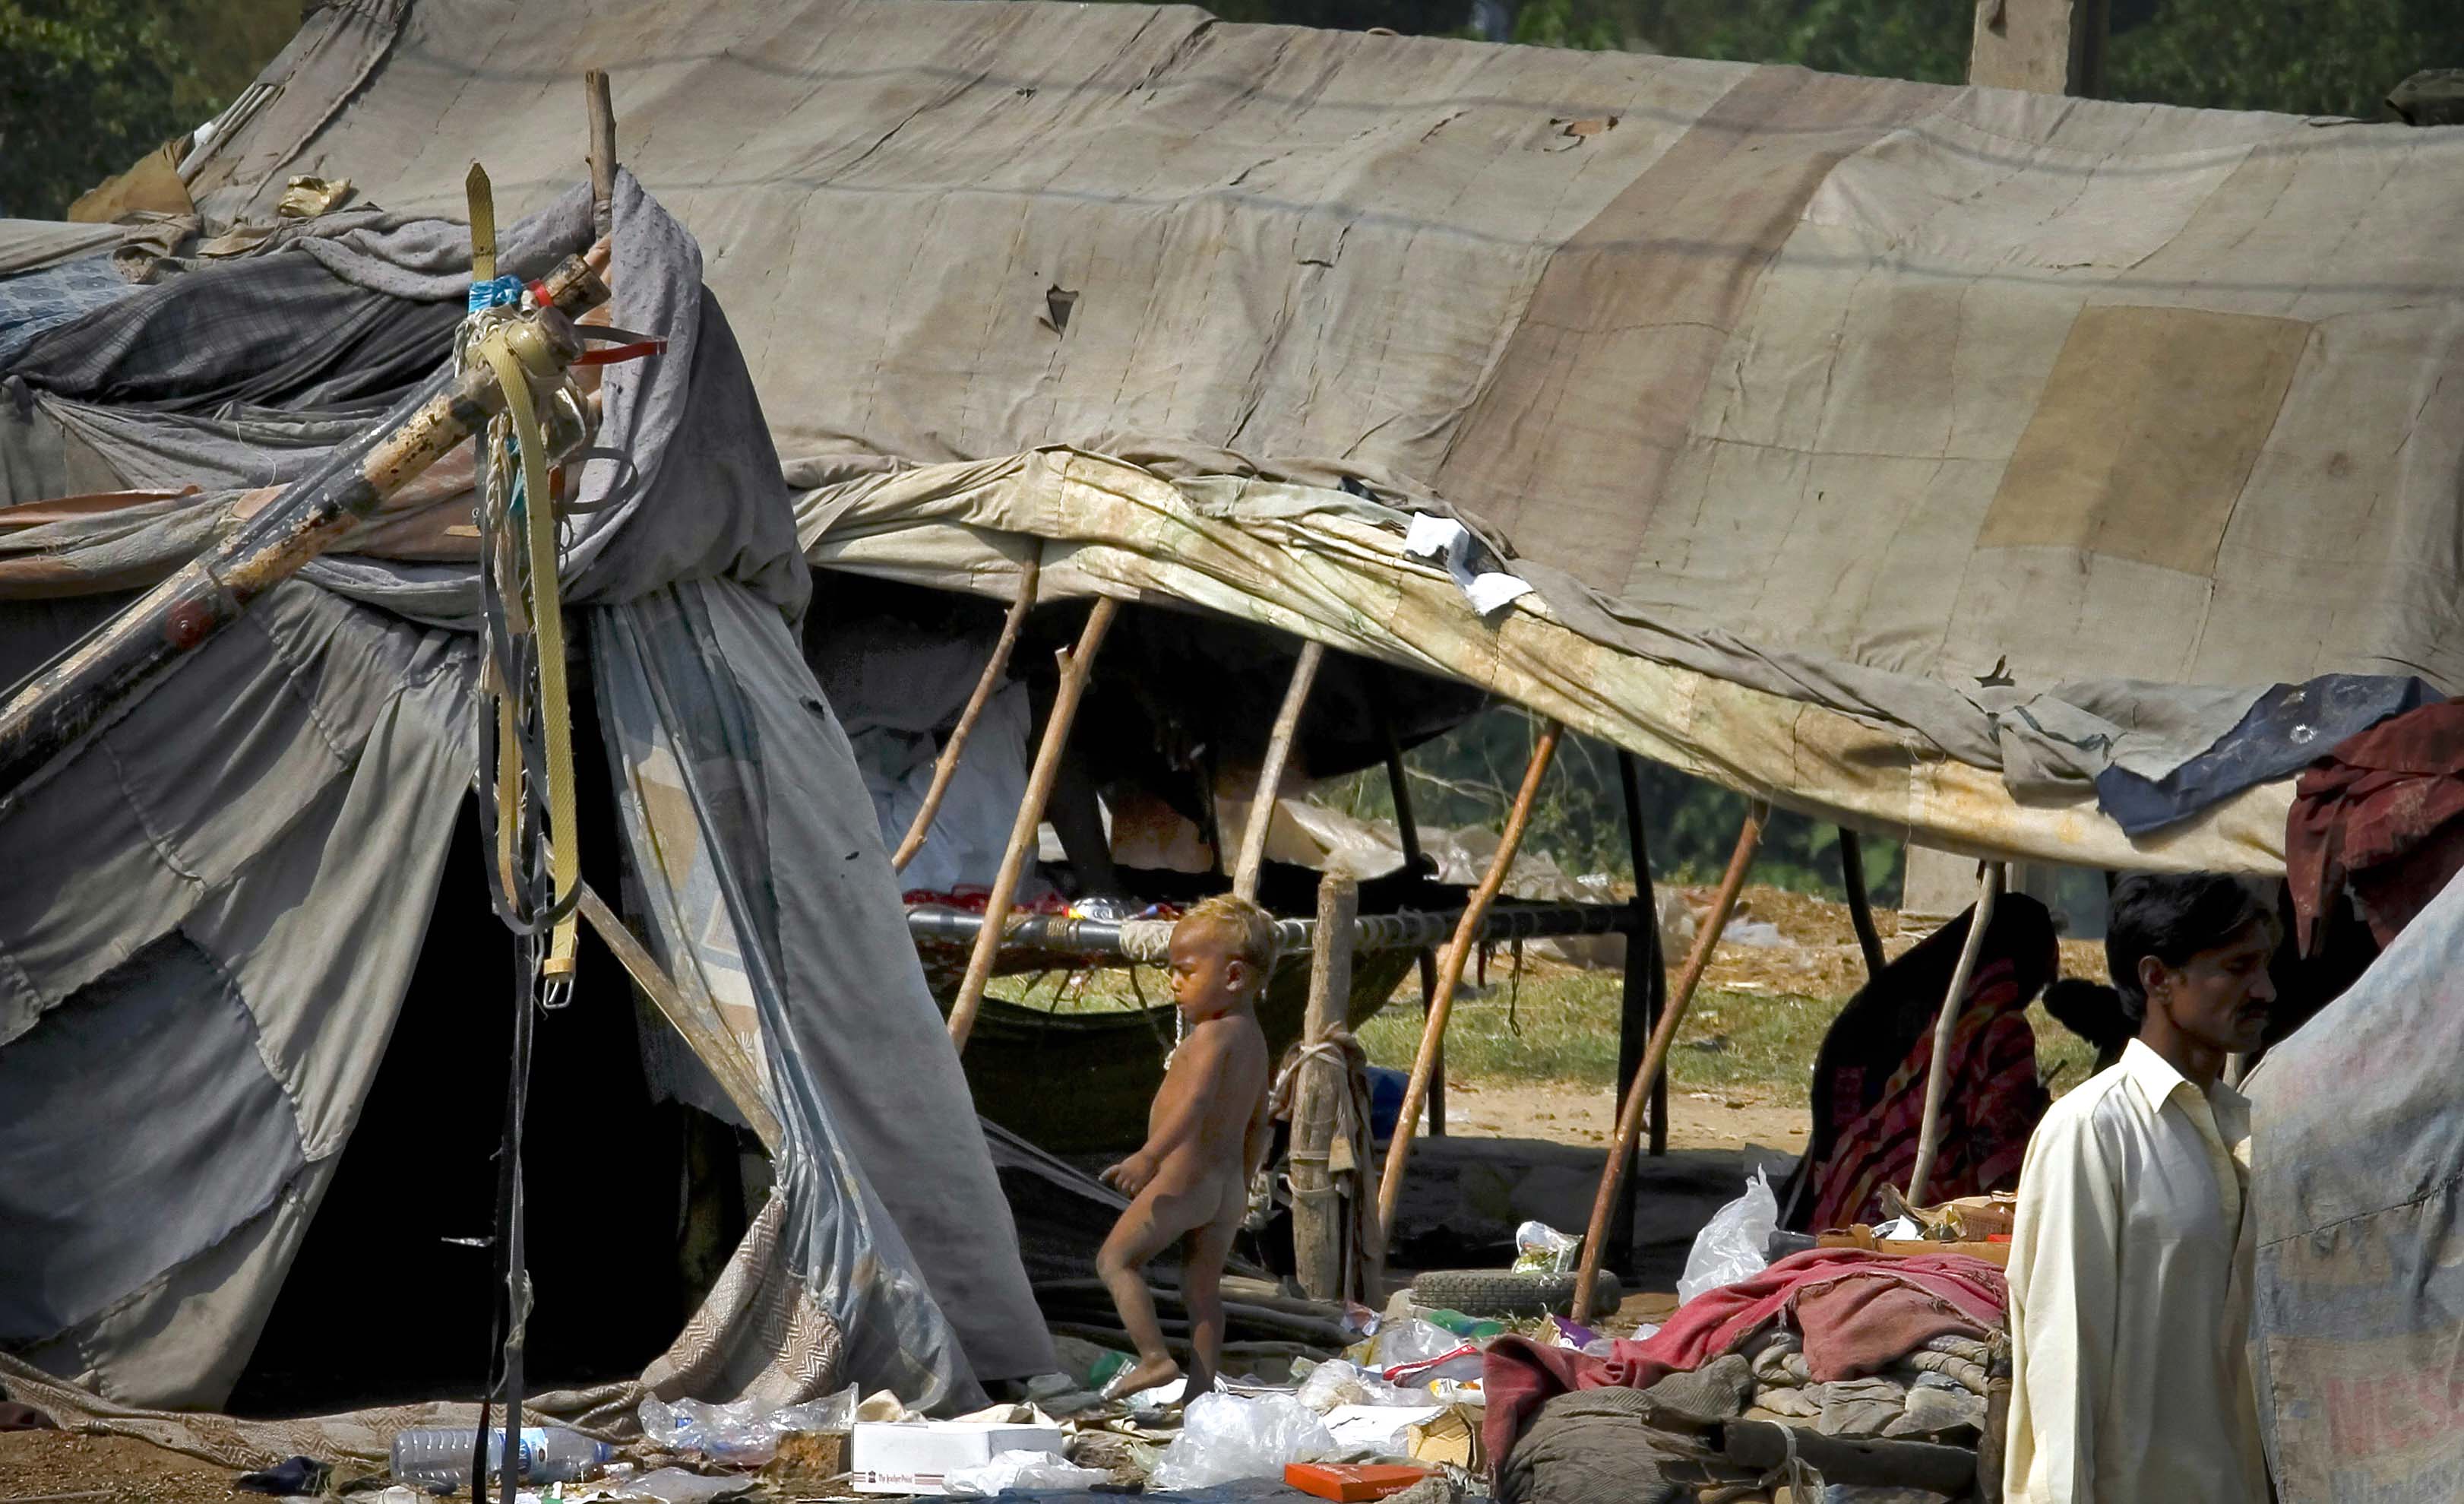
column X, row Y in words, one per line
column 53, row 1467
column 1730, row 1119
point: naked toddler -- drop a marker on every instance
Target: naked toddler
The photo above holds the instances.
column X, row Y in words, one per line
column 1204, row 1136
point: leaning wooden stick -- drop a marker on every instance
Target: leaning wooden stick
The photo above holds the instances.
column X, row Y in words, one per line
column 693, row 1015
column 1270, row 772
column 602, row 111
column 1076, row 664
column 1655, row 1056
column 995, row 669
column 1450, row 970
column 98, row 677
column 1988, row 888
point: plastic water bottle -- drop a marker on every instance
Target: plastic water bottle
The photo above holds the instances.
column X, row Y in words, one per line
column 439, row 1461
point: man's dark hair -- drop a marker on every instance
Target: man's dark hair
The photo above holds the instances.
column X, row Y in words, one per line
column 2173, row 916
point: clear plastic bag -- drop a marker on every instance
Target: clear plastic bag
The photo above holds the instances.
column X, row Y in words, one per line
column 744, row 1433
column 1225, row 1438
column 1335, row 1382
column 1730, row 1246
column 1019, row 1470
column 1541, row 1248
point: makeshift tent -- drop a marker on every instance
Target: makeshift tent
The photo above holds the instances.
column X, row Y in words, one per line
column 1914, row 456
column 213, row 922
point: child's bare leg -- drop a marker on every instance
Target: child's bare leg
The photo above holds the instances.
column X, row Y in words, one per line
column 1203, row 1253
column 1150, row 1225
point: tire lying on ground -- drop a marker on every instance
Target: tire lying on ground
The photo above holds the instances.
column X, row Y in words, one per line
column 1510, row 1292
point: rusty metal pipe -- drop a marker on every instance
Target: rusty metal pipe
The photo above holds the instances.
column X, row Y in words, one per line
column 98, row 677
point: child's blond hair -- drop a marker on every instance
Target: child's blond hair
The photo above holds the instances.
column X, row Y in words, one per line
column 1249, row 929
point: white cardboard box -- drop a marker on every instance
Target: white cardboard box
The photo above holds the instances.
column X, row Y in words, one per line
column 912, row 1457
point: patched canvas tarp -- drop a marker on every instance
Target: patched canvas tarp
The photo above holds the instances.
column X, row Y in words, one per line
column 213, row 907
column 1842, row 392
column 2360, row 1308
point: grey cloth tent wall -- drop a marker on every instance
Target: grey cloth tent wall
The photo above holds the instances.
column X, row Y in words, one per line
column 214, row 905
column 1824, row 397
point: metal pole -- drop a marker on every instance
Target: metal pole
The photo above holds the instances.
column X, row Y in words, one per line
column 1638, row 1000
column 1860, row 902
column 1407, row 829
column 1655, row 1056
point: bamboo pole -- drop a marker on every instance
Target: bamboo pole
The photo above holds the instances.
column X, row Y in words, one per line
column 1860, row 902
column 995, row 669
column 1988, row 888
column 1076, row 664
column 1655, row 1056
column 100, row 676
column 1450, row 970
column 1317, row 1231
column 603, row 150
column 1270, row 772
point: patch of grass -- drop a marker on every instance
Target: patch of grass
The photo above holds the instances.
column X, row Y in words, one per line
column 1561, row 1025
column 1564, row 1027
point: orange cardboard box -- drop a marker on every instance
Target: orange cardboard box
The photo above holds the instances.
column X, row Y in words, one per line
column 1346, row 1481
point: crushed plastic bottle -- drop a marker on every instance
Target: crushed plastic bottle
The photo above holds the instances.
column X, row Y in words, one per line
column 439, row 1461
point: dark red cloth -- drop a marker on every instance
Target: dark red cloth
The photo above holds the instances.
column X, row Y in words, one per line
column 2381, row 812
column 1858, row 1311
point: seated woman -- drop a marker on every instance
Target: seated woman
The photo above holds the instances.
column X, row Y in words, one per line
column 1869, row 1078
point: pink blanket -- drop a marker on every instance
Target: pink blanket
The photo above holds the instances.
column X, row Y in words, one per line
column 1859, row 1311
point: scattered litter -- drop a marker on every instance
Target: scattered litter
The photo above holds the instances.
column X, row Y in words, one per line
column 918, row 1456
column 1225, row 1438
column 1378, row 1427
column 439, row 1461
column 676, row 1486
column 289, row 1476
column 1541, row 1248
column 1451, row 544
column 1020, row 1470
column 1730, row 1246
column 1349, row 1481
column 744, row 1433
column 1758, row 932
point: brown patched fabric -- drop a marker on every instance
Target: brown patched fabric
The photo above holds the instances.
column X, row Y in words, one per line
column 1569, row 446
column 2145, row 434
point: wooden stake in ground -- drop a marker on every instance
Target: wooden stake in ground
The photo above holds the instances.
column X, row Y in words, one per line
column 1642, row 993
column 1655, row 1056
column 1860, row 902
column 995, row 669
column 1989, row 887
column 1076, row 664
column 1270, row 772
column 1317, row 1228
column 1450, row 970
column 603, row 151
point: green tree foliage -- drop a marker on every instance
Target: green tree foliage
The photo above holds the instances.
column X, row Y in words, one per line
column 86, row 88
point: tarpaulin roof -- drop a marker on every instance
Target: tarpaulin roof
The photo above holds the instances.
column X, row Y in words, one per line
column 2038, row 435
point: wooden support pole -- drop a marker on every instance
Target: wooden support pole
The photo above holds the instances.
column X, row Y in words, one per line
column 1270, row 772
column 1989, row 887
column 2044, row 46
column 995, row 669
column 1407, row 829
column 1450, row 970
column 603, row 150
column 693, row 1017
column 1655, row 1056
column 1860, row 901
column 1076, row 664
column 97, row 678
column 1317, row 1225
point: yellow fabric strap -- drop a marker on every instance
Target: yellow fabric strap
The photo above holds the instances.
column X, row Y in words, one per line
column 548, row 620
